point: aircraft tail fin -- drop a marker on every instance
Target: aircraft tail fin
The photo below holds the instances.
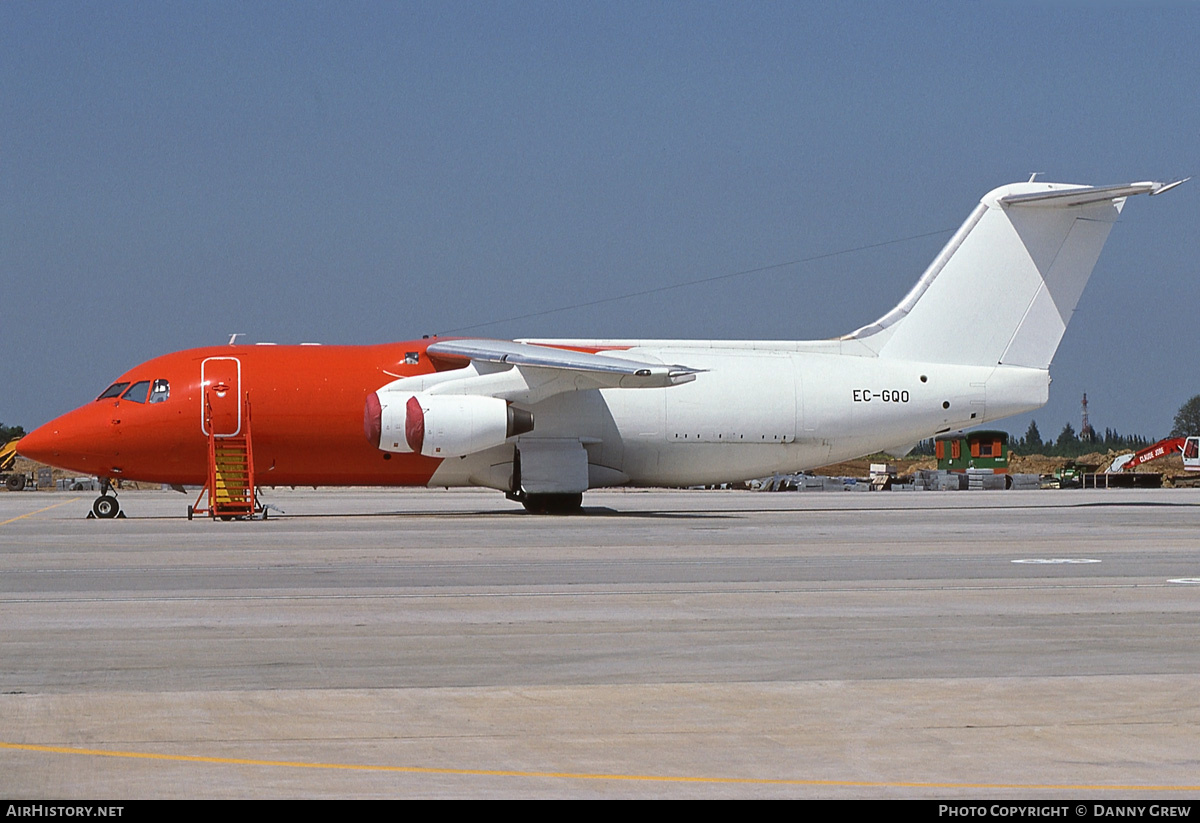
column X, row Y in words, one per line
column 1004, row 288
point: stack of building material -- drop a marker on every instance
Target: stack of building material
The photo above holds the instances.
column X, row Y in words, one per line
column 985, row 480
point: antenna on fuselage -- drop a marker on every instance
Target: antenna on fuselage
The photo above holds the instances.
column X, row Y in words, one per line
column 233, row 337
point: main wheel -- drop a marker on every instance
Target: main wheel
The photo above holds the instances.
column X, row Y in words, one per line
column 15, row 482
column 553, row 503
column 106, row 507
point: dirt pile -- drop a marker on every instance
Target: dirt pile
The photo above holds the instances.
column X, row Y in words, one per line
column 1017, row 464
column 1041, row 464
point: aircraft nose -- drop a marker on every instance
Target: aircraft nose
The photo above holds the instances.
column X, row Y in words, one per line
column 81, row 440
column 38, row 444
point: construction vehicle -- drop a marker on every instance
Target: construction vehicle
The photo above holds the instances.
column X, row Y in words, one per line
column 1190, row 446
column 13, row 481
column 1073, row 475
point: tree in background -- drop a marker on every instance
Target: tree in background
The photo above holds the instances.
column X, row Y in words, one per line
column 1068, row 444
column 1117, row 442
column 1032, row 442
column 1187, row 420
column 9, row 432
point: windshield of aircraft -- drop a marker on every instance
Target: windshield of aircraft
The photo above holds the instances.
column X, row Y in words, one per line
column 113, row 391
column 142, row 391
column 137, row 392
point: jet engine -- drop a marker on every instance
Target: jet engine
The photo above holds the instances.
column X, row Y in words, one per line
column 441, row 425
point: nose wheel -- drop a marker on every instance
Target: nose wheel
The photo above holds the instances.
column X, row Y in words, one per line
column 106, row 506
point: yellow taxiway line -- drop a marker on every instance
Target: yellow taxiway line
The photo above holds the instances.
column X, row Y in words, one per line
column 39, row 511
column 648, row 778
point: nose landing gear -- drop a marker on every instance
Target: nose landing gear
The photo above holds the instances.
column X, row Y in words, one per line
column 106, row 506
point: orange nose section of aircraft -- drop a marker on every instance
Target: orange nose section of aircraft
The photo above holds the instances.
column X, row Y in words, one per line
column 86, row 440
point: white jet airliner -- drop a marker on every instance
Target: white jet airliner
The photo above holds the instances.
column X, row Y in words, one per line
column 546, row 420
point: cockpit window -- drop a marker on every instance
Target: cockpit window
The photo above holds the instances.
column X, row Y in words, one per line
column 113, row 391
column 137, row 392
column 160, row 392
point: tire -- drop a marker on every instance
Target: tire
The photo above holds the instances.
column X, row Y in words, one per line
column 553, row 503
column 106, row 507
column 15, row 482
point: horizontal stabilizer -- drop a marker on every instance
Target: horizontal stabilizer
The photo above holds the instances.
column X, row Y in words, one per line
column 1082, row 195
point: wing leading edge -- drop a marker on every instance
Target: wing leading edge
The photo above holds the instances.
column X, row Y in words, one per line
column 608, row 370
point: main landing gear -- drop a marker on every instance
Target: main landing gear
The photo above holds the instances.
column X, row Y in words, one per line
column 106, row 506
column 551, row 503
column 544, row 503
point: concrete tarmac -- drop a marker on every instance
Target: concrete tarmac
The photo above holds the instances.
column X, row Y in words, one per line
column 417, row 643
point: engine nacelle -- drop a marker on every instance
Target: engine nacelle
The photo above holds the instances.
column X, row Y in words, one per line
column 441, row 425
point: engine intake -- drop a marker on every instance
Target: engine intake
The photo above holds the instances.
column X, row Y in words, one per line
column 441, row 425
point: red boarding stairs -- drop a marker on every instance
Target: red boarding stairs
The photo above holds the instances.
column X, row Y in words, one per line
column 230, row 487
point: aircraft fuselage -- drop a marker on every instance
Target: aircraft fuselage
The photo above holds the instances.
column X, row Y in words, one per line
column 757, row 410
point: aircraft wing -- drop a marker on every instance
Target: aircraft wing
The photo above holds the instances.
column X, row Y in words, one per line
column 608, row 370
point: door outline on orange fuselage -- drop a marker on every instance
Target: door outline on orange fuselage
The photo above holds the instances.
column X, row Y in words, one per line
column 226, row 405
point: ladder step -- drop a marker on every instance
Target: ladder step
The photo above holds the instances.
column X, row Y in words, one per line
column 231, row 487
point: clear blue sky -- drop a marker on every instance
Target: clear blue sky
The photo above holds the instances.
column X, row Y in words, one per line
column 364, row 172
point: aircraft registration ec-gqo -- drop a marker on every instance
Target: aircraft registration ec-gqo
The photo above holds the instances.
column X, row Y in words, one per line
column 545, row 420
